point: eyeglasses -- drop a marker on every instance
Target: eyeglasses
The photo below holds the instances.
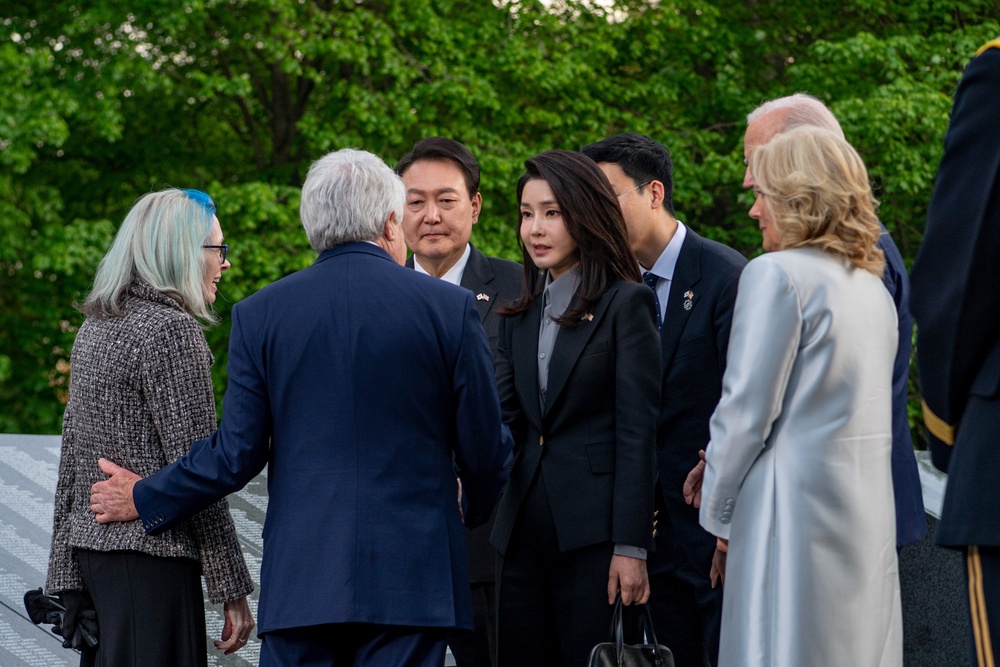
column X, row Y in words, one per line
column 223, row 250
column 641, row 185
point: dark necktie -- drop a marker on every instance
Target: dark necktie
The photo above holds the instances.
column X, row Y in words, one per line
column 650, row 278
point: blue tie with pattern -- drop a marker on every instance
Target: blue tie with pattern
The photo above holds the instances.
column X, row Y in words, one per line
column 650, row 278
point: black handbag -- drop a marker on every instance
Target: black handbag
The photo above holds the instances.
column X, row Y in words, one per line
column 616, row 653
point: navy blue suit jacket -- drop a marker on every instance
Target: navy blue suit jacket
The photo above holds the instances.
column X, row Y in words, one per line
column 911, row 522
column 495, row 283
column 361, row 385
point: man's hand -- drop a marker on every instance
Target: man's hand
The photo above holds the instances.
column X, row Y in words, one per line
column 628, row 575
column 111, row 500
column 692, row 485
column 718, row 573
column 239, row 624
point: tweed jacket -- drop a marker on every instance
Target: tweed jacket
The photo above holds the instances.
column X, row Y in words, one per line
column 140, row 394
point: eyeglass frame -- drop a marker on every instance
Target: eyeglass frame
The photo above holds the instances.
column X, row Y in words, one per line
column 223, row 250
column 641, row 185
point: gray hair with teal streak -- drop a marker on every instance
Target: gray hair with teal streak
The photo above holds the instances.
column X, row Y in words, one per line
column 160, row 242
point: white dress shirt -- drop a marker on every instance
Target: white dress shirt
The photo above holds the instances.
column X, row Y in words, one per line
column 664, row 266
column 455, row 273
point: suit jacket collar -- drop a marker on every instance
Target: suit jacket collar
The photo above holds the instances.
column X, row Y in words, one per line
column 476, row 278
column 683, row 294
column 362, row 247
column 524, row 339
column 568, row 347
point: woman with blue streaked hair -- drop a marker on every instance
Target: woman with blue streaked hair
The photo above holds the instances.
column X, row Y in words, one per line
column 140, row 394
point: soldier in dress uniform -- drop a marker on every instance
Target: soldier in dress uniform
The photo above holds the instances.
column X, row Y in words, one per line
column 955, row 299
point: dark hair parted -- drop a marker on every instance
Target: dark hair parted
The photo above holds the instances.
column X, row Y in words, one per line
column 640, row 157
column 444, row 149
column 593, row 219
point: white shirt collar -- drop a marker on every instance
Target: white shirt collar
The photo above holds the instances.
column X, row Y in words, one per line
column 667, row 261
column 455, row 273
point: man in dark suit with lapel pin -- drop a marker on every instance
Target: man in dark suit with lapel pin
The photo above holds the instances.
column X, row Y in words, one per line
column 442, row 204
column 695, row 282
column 363, row 387
column 956, row 301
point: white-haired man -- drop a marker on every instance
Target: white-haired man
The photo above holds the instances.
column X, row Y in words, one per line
column 362, row 386
column 763, row 124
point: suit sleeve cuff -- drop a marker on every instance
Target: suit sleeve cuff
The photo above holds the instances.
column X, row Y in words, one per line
column 630, row 551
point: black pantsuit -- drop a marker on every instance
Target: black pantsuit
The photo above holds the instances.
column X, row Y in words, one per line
column 583, row 473
column 150, row 609
column 547, row 594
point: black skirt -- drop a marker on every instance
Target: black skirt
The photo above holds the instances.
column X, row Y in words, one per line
column 150, row 609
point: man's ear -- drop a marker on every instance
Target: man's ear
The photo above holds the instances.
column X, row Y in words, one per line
column 658, row 191
column 477, row 206
column 391, row 228
column 392, row 239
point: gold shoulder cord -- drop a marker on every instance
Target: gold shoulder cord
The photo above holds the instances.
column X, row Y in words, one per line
column 994, row 44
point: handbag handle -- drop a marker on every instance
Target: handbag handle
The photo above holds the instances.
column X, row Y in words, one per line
column 647, row 628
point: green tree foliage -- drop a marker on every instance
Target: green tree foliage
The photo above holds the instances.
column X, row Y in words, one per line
column 104, row 103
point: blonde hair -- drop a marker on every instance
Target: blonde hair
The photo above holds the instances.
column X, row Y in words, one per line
column 818, row 195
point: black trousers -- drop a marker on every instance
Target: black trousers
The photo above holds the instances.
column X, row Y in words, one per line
column 150, row 610
column 983, row 577
column 552, row 606
column 686, row 610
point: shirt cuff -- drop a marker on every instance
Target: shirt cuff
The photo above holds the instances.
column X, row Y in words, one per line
column 630, row 551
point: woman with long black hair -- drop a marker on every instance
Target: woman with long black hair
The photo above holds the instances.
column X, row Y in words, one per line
column 578, row 376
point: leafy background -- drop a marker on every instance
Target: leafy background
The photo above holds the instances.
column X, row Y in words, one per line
column 104, row 101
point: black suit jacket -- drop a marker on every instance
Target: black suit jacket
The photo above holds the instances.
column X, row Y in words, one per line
column 695, row 338
column 594, row 443
column 494, row 283
column 956, row 303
